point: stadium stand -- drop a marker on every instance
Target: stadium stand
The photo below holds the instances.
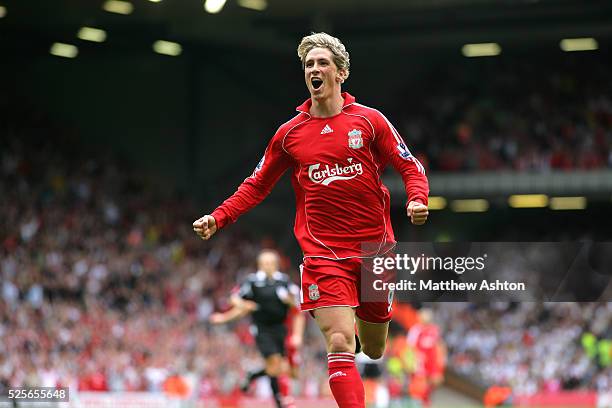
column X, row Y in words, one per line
column 104, row 287
column 505, row 115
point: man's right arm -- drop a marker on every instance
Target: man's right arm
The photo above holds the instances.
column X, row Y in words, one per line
column 234, row 313
column 242, row 304
column 251, row 192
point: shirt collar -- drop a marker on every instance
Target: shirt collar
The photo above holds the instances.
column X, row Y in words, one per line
column 305, row 107
column 261, row 275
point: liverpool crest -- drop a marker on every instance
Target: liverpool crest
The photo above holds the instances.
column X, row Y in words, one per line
column 355, row 141
column 313, row 292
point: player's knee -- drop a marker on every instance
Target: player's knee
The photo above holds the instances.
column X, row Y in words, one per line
column 273, row 365
column 374, row 351
column 273, row 372
column 341, row 343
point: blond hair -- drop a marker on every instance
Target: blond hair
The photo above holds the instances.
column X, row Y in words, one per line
column 324, row 40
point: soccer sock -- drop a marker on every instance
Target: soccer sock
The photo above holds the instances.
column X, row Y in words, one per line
column 344, row 380
column 276, row 391
column 284, row 384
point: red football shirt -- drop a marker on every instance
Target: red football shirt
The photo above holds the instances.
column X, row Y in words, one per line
column 336, row 166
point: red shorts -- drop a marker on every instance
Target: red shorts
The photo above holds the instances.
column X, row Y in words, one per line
column 326, row 283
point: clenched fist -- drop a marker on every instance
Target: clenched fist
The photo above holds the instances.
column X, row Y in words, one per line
column 417, row 212
column 205, row 227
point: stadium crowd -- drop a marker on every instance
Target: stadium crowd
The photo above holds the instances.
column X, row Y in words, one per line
column 511, row 114
column 530, row 346
column 104, row 286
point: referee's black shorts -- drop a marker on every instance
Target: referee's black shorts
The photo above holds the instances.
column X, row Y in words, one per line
column 271, row 339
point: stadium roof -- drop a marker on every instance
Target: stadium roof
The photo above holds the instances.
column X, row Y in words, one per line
column 384, row 23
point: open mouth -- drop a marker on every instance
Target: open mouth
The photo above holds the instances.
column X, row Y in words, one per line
column 316, row 83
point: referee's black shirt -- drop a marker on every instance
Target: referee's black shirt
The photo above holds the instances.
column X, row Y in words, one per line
column 267, row 293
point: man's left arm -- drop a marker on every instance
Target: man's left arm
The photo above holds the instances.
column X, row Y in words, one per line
column 299, row 320
column 393, row 148
column 288, row 294
column 299, row 325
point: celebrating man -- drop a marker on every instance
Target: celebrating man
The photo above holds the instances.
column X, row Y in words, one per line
column 336, row 150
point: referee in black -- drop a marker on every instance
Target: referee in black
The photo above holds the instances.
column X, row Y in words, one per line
column 267, row 294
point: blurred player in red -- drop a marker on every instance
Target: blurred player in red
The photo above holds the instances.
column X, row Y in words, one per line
column 296, row 324
column 272, row 300
column 336, row 150
column 424, row 337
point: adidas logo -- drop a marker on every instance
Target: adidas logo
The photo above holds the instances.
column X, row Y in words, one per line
column 337, row 374
column 327, row 130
